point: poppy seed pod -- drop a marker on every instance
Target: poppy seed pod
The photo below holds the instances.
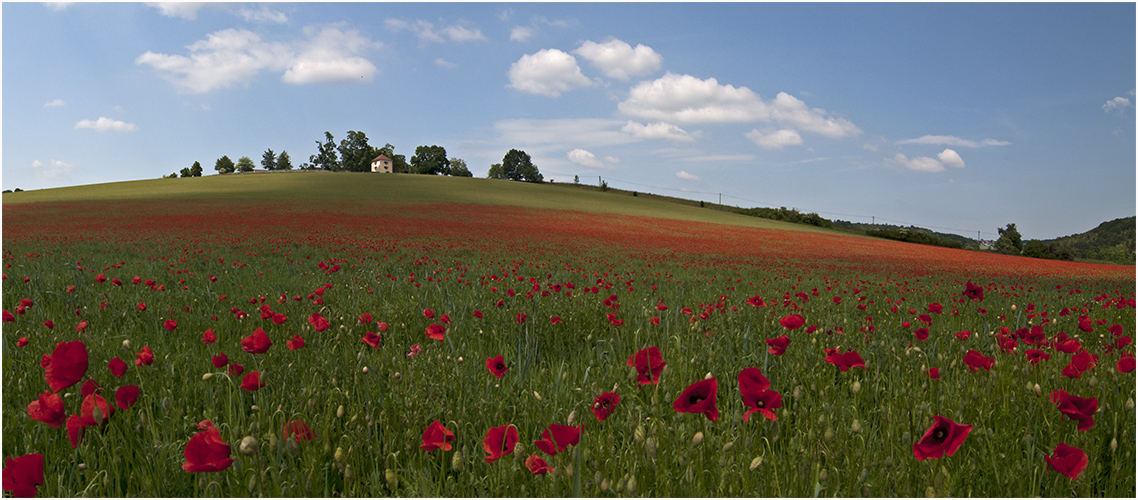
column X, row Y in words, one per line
column 248, row 446
column 291, row 448
column 650, row 447
column 696, row 439
column 126, row 343
column 605, row 485
column 855, row 387
column 392, row 478
column 456, row 461
column 631, row 486
column 572, row 416
column 207, row 376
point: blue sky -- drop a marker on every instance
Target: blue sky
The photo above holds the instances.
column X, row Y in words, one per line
column 960, row 117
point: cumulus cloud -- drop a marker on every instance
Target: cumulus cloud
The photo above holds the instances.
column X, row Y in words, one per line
column 264, row 15
column 104, row 124
column 585, row 159
column 948, row 140
column 184, row 10
column 657, row 130
column 921, row 164
column 776, row 139
column 51, row 169
column 950, row 158
column 521, row 33
column 426, row 31
column 548, row 72
column 686, row 99
column 230, row 57
column 57, row 6
column 1117, row 104
column 686, row 176
column 54, row 103
column 789, row 110
column 620, row 60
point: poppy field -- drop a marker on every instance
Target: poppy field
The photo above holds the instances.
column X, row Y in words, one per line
column 372, row 348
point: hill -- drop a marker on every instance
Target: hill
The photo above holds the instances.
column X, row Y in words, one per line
column 1112, row 241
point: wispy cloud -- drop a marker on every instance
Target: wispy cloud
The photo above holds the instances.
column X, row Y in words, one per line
column 426, row 31
column 445, row 63
column 658, row 130
column 1118, row 104
column 54, row 103
column 184, row 10
column 948, row 140
column 775, row 139
column 686, row 176
column 264, row 15
column 51, row 169
column 104, row 124
column 948, row 157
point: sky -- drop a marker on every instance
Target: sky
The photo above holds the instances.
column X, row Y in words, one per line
column 955, row 117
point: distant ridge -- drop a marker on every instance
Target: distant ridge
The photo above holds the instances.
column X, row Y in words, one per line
column 1111, row 241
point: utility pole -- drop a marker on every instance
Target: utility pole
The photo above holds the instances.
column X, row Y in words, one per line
column 720, row 198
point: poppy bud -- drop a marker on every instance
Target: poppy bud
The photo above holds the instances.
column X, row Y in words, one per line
column 365, row 370
column 456, row 461
column 855, row 427
column 460, row 359
column 1038, row 390
column 855, row 387
column 756, row 462
column 696, row 439
column 605, row 485
column 1129, row 403
column 339, row 455
column 708, row 376
column 569, row 470
column 397, row 376
column 82, row 466
column 728, row 447
column 828, row 436
column 126, row 343
column 650, row 447
column 1093, row 381
column 248, row 446
column 797, row 393
column 689, row 475
column 864, row 476
column 631, row 486
column 207, row 376
column 340, row 412
column 823, row 476
column 620, row 484
column 392, row 479
column 639, row 434
column 930, row 492
column 255, row 408
column 349, row 474
column 572, row 416
column 538, row 396
column 291, row 448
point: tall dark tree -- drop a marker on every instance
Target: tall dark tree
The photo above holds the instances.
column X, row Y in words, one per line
column 186, row 172
column 283, row 161
column 1010, row 241
column 355, row 153
column 458, row 168
column 325, row 157
column 496, row 172
column 245, row 164
column 430, row 160
column 196, row 170
column 224, row 165
column 269, row 160
column 398, row 162
column 517, row 166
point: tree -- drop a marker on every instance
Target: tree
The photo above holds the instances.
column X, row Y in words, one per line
column 196, row 170
column 458, row 168
column 186, row 172
column 1010, row 242
column 398, row 162
column 576, row 179
column 269, row 160
column 355, row 153
column 325, row 157
column 495, row 172
column 283, row 161
column 224, row 165
column 245, row 164
column 430, row 160
column 517, row 166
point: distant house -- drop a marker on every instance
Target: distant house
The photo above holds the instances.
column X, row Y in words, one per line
column 381, row 164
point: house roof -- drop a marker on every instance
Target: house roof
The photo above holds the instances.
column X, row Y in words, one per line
column 381, row 157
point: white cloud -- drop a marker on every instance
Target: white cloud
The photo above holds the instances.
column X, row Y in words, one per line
column 686, row 99
column 950, row 158
column 184, row 10
column 619, row 60
column 686, row 176
column 657, row 130
column 521, row 33
column 57, row 6
column 1117, row 104
column 776, row 139
column 331, row 56
column 265, row 15
column 922, row 163
column 54, row 103
column 948, row 140
column 445, row 63
column 104, row 124
column 426, row 31
column 788, row 110
column 548, row 72
column 52, row 169
column 585, row 159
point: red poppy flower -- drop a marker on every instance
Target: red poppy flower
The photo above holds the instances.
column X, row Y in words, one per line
column 1035, row 356
column 976, row 361
column 75, row 426
column 844, row 361
column 521, row 318
column 279, row 318
column 252, row 381
column 1007, row 343
column 942, row 438
column 141, row 306
column 93, row 401
column 1034, row 336
column 792, row 321
column 296, row 343
column 934, row 373
column 101, row 278
column 145, row 357
column 67, row 365
column 655, row 320
column 49, row 324
column 1067, row 460
column 436, row 437
column 973, row 292
column 207, row 452
column 497, row 366
column 537, row 465
column 699, row 398
column 436, row 331
column 415, row 351
column 318, row 322
column 935, row 308
column 648, row 363
column 117, row 367
column 604, row 405
column 499, row 441
column 555, row 320
column 1125, row 364
column 1079, row 364
column 297, row 429
column 236, row 370
column 428, row 313
column 1086, row 325
column 125, row 396
column 23, row 475
column 81, row 327
column 444, row 319
column 756, row 301
column 922, row 334
column 1067, row 345
column 478, row 314
column 220, row 360
column 1079, row 409
column 381, row 326
column 257, row 342
column 371, row 339
column 365, row 318
column 170, row 325
column 89, row 387
column 778, row 345
column 208, row 337
column 1115, row 329
column 48, row 408
column 556, row 438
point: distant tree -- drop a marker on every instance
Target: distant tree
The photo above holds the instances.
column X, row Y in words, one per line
column 576, row 179
column 224, row 165
column 283, row 161
column 196, row 169
column 1010, row 242
column 496, row 172
column 430, row 160
column 245, row 164
column 517, row 166
column 355, row 153
column 186, row 172
column 398, row 162
column 173, row 175
column 458, row 168
column 325, row 157
column 269, row 160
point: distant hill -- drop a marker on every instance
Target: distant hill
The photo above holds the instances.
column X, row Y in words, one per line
column 912, row 234
column 1111, row 241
